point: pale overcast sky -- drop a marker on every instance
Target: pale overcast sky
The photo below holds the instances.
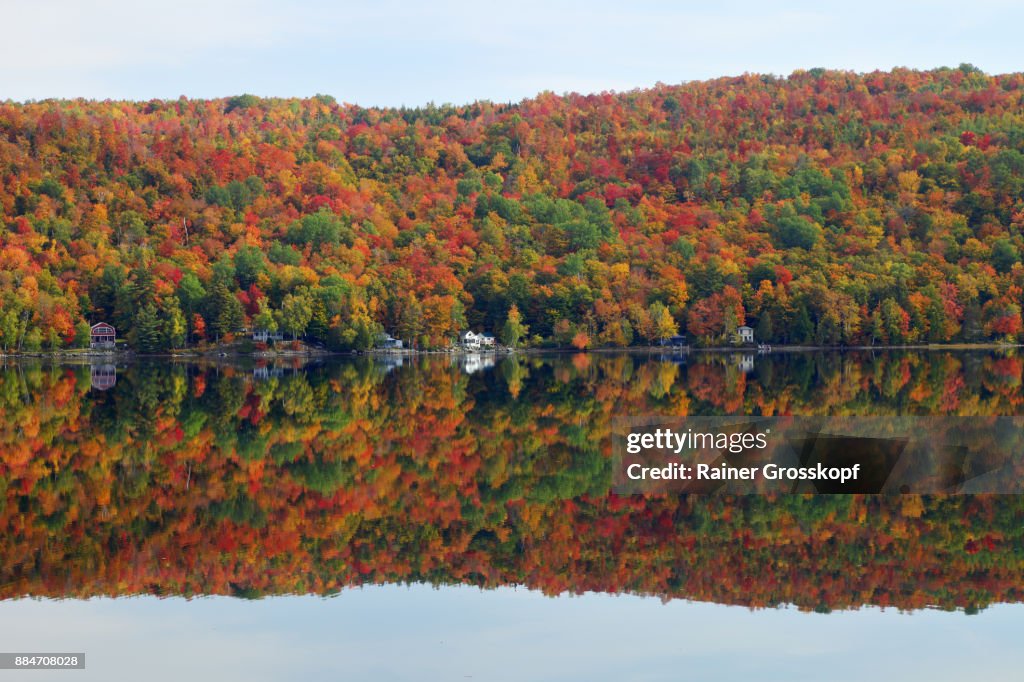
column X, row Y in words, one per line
column 383, row 52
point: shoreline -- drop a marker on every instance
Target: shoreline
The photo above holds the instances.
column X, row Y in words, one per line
column 127, row 355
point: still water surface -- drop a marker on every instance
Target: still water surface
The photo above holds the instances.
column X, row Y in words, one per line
column 459, row 510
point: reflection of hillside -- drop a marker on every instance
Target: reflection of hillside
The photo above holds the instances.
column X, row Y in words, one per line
column 188, row 480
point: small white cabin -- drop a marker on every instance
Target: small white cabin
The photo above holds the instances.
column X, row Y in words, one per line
column 390, row 343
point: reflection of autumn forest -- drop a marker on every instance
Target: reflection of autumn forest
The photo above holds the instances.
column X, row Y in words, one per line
column 186, row 480
column 826, row 207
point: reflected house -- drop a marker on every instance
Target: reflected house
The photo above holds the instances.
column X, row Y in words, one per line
column 677, row 357
column 265, row 335
column 390, row 362
column 102, row 377
column 746, row 362
column 263, row 373
column 474, row 362
column 102, row 336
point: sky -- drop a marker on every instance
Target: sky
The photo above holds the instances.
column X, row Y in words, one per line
column 393, row 632
column 387, row 53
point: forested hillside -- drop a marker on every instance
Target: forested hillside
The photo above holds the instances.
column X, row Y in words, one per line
column 826, row 207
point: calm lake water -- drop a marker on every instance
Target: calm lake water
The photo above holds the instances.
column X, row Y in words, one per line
column 459, row 513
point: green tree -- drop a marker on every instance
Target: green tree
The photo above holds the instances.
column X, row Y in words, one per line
column 83, row 334
column 664, row 324
column 13, row 325
column 937, row 321
column 514, row 328
column 765, row 329
column 320, row 228
column 894, row 321
column 105, row 293
column 797, row 232
column 173, row 329
column 1004, row 255
column 224, row 310
column 53, row 340
column 802, row 329
column 295, row 314
column 191, row 296
column 730, row 324
column 131, row 298
column 249, row 265
column 241, row 102
column 190, row 293
column 877, row 328
column 410, row 321
column 283, row 255
column 33, row 340
column 146, row 335
column 264, row 318
column 361, row 333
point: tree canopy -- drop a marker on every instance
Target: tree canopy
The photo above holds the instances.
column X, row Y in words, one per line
column 885, row 207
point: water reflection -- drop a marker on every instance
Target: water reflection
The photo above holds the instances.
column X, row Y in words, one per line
column 187, row 479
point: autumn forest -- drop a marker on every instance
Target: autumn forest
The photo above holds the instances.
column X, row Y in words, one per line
column 824, row 208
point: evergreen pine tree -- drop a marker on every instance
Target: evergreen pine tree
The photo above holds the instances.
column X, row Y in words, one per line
column 146, row 335
column 765, row 332
column 802, row 329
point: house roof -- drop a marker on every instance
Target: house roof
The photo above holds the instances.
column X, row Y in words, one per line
column 104, row 325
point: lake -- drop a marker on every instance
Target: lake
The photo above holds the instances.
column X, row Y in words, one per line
column 451, row 517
